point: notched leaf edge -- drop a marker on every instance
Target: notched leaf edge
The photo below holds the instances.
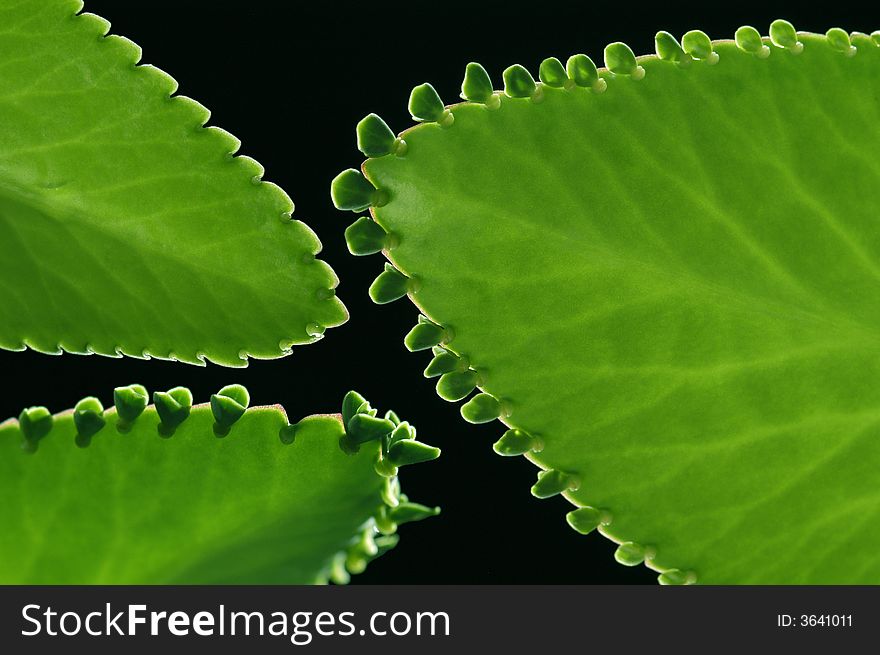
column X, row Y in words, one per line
column 131, row 54
column 397, row 441
column 353, row 190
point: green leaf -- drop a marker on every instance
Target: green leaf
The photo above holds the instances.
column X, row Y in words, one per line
column 268, row 503
column 129, row 228
column 477, row 86
column 518, row 82
column 672, row 289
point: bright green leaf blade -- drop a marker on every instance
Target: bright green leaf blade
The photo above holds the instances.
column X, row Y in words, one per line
column 134, row 507
column 127, row 227
column 675, row 285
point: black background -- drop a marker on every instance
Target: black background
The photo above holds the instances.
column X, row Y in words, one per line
column 291, row 81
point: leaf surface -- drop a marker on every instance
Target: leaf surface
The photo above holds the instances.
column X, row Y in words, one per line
column 128, row 227
column 673, row 289
column 137, row 506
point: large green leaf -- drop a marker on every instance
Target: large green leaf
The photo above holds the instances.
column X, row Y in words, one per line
column 215, row 493
column 127, row 227
column 667, row 278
